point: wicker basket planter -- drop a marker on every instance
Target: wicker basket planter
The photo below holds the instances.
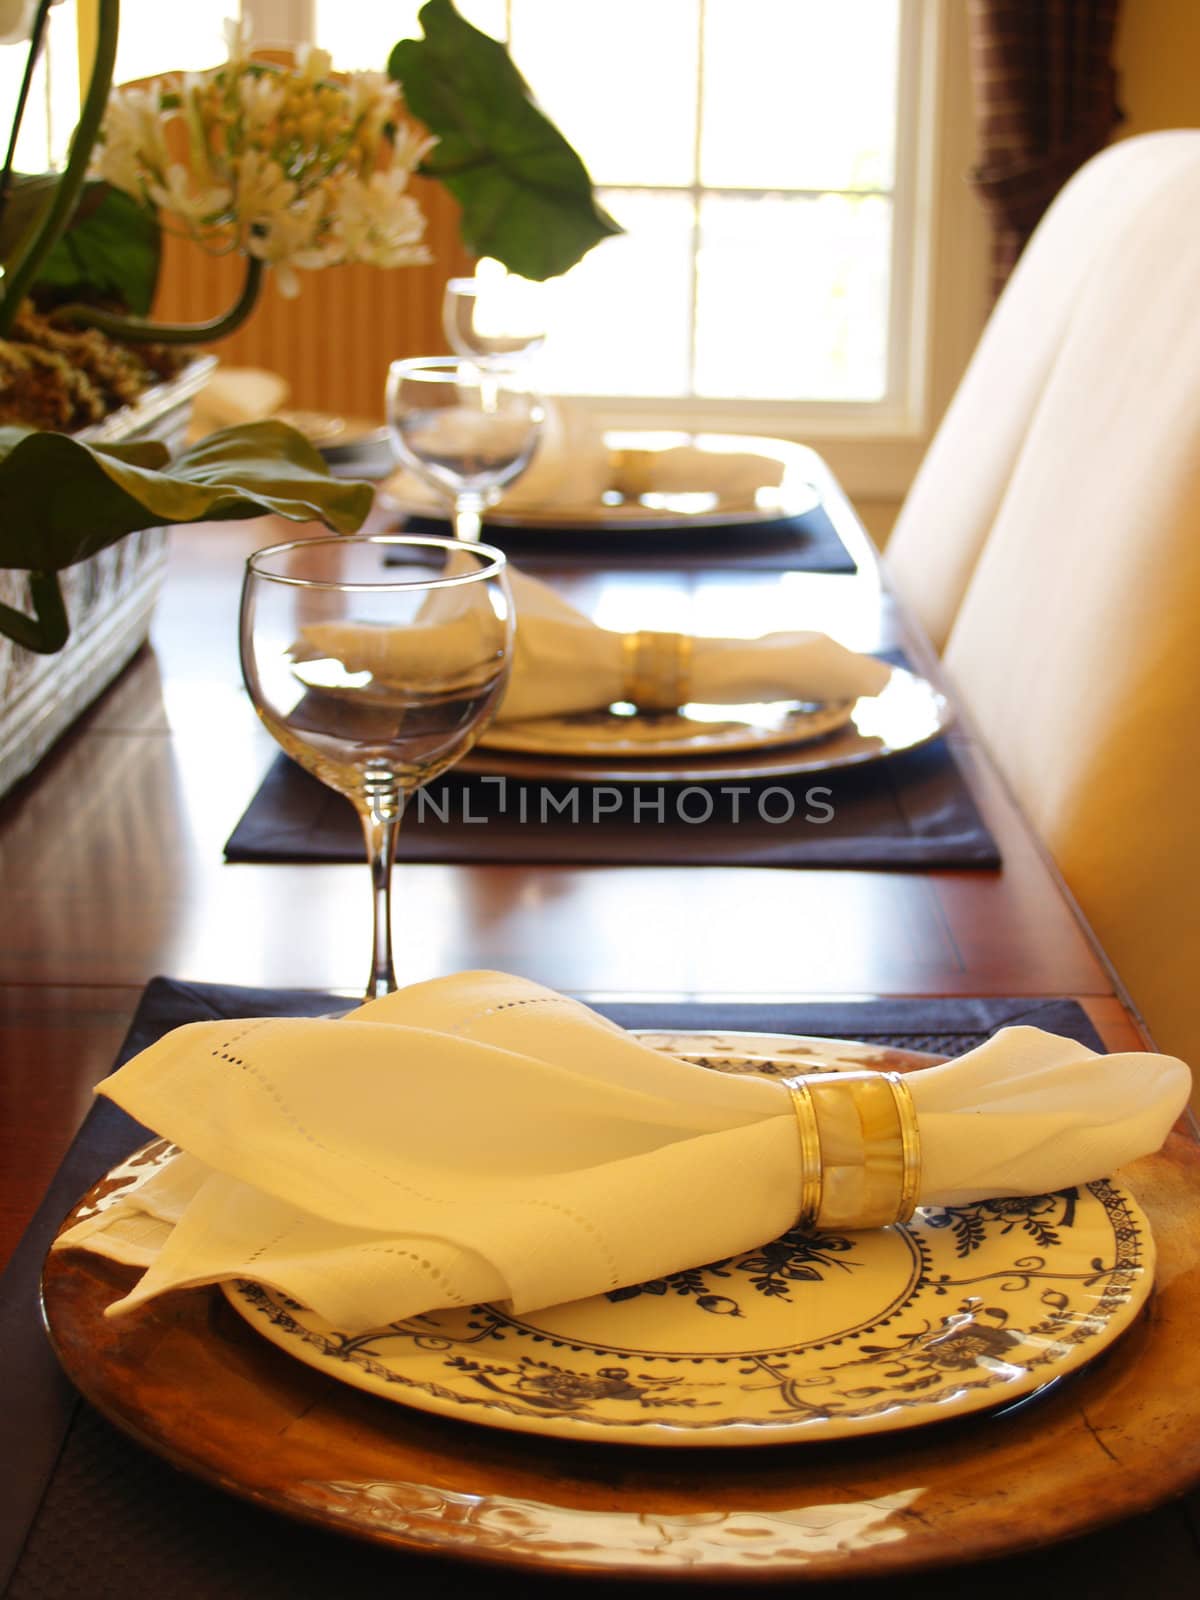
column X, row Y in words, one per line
column 109, row 600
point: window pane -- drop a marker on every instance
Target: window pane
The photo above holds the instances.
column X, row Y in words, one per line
column 63, row 97
column 792, row 297
column 620, row 321
column 359, row 34
column 619, row 79
column 799, row 94
column 53, row 105
column 193, row 40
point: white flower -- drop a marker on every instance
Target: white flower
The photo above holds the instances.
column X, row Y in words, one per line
column 133, row 118
column 261, row 98
column 291, row 239
column 116, row 161
column 177, row 195
column 314, row 64
column 372, row 99
column 410, row 147
column 262, row 190
column 237, row 39
column 376, row 222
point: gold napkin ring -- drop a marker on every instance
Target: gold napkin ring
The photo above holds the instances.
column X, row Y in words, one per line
column 811, row 1183
column 910, row 1146
column 657, row 670
column 871, row 1112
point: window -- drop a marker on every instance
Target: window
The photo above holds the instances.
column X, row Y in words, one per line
column 53, row 105
column 789, row 173
column 757, row 152
column 194, row 37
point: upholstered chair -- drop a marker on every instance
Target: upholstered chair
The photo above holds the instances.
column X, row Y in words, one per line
column 960, row 489
column 1076, row 644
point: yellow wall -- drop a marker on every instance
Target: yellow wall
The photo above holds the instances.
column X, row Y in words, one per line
column 1158, row 58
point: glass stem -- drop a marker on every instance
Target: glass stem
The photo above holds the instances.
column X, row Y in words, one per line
column 381, row 815
column 468, row 517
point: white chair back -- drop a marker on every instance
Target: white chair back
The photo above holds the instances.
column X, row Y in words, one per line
column 958, row 492
column 1076, row 646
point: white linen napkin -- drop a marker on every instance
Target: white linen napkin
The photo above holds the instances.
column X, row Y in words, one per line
column 563, row 662
column 578, row 462
column 481, row 1138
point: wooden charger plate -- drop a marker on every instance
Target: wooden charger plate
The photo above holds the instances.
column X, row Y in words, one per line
column 189, row 1379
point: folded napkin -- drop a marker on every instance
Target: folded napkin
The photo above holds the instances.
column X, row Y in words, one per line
column 570, row 469
column 480, row 1138
column 578, row 462
column 563, row 662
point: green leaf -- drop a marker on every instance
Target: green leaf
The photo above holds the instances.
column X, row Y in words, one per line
column 111, row 251
column 64, row 500
column 526, row 196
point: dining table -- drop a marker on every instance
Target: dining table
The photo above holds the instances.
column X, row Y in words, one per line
column 113, row 874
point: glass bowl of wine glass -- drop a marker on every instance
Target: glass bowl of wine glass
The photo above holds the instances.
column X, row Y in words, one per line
column 376, row 662
column 494, row 316
column 466, row 429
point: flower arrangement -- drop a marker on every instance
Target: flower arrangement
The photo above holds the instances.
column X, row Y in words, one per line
column 293, row 168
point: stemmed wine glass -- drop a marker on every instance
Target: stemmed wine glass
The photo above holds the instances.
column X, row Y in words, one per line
column 466, row 429
column 494, row 320
column 376, row 662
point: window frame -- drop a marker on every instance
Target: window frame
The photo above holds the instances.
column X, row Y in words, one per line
column 939, row 284
column 938, row 290
column 941, row 290
column 895, row 407
column 939, row 296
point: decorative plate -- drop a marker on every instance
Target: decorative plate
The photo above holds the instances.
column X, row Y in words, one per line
column 811, row 1337
column 641, row 479
column 702, row 743
column 693, row 730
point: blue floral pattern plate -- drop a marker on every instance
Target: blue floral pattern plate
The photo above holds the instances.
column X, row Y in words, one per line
column 814, row 1336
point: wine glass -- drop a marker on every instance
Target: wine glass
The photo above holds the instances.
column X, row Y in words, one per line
column 494, row 321
column 376, row 662
column 465, row 429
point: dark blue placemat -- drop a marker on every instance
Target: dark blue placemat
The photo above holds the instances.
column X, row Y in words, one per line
column 86, row 1513
column 913, row 810
column 807, row 543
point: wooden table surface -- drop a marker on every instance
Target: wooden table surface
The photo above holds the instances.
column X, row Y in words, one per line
column 111, row 866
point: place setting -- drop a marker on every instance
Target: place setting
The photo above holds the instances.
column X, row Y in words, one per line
column 642, row 498
column 611, row 746
column 586, row 752
column 720, row 1258
column 624, row 495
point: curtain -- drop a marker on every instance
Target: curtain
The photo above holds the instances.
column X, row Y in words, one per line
column 1045, row 100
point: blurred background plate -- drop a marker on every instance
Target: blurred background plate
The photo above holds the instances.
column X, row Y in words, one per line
column 343, row 441
column 641, row 479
